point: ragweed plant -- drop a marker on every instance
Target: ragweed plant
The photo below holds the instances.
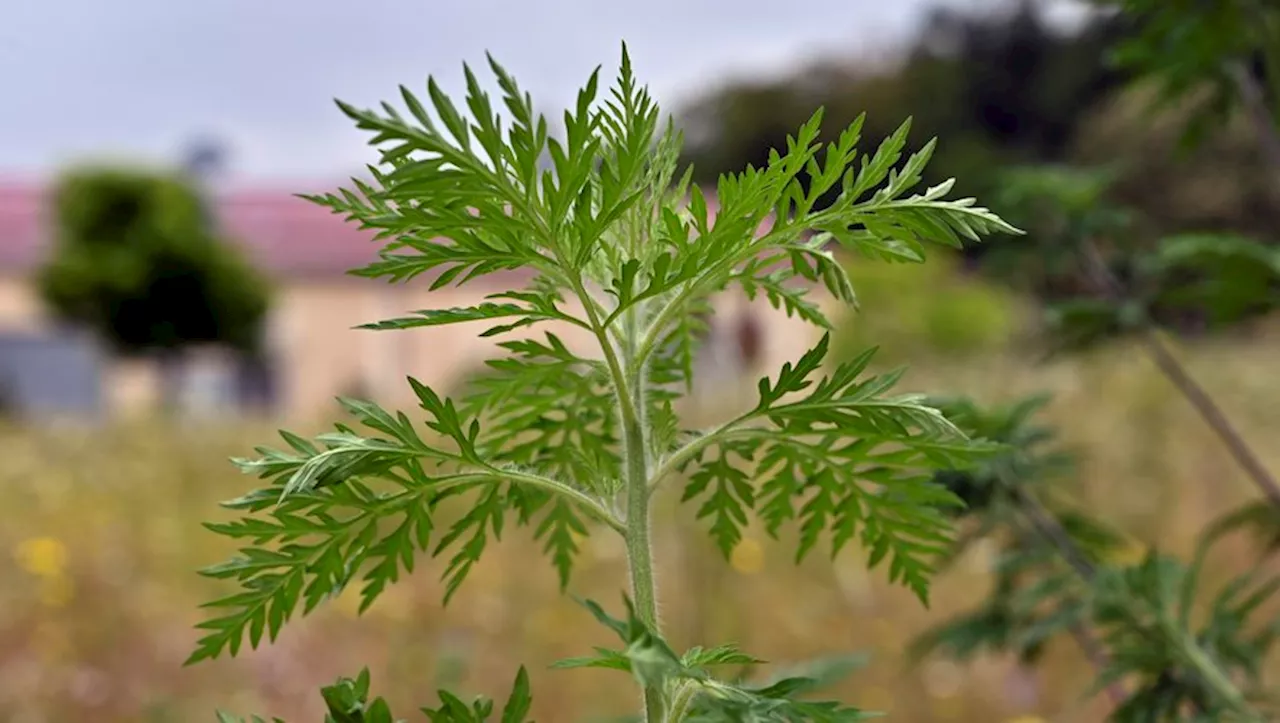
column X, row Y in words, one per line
column 616, row 244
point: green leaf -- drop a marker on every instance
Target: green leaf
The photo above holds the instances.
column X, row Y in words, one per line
column 548, row 410
column 517, row 708
column 647, row 656
column 720, row 655
column 523, row 316
column 731, row 496
column 347, row 506
column 845, row 459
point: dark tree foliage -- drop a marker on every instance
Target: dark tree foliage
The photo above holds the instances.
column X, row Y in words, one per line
column 1016, row 79
column 134, row 260
column 1000, row 86
column 1005, row 88
column 1011, row 89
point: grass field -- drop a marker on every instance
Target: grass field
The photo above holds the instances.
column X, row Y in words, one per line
column 101, row 537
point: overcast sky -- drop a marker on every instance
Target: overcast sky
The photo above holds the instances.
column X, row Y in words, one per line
column 144, row 77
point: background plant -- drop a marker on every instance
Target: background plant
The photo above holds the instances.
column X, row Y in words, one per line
column 1164, row 646
column 568, row 444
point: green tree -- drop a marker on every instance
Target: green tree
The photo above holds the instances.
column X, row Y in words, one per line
column 135, row 261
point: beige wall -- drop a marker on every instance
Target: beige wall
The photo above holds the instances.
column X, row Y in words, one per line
column 19, row 307
column 319, row 354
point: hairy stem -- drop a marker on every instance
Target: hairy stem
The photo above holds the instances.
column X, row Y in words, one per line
column 1176, row 373
column 588, row 503
column 639, row 547
column 673, row 461
column 636, row 454
column 681, row 702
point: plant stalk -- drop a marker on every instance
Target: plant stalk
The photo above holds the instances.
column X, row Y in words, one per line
column 1181, row 379
column 681, row 702
column 639, row 546
column 1212, row 415
column 639, row 543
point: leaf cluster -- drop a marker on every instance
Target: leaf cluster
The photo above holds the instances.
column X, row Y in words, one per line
column 1183, row 656
column 1037, row 592
column 845, row 461
column 696, row 694
column 347, row 701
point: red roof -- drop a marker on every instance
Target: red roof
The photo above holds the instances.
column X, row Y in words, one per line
column 286, row 235
column 281, row 233
column 21, row 227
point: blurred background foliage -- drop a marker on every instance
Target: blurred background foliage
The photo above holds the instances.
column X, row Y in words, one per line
column 1006, row 87
column 909, row 310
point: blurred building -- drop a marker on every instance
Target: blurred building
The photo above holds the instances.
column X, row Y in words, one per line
column 313, row 352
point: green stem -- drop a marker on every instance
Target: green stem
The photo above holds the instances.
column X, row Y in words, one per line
column 690, row 450
column 1173, row 370
column 588, row 503
column 640, row 550
column 681, row 702
column 639, row 547
column 1213, row 676
column 631, row 398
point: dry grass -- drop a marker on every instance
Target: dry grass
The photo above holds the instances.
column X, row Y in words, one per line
column 101, row 537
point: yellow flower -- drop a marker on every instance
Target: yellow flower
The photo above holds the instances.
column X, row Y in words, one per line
column 43, row 556
column 748, row 557
column 1027, row 719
